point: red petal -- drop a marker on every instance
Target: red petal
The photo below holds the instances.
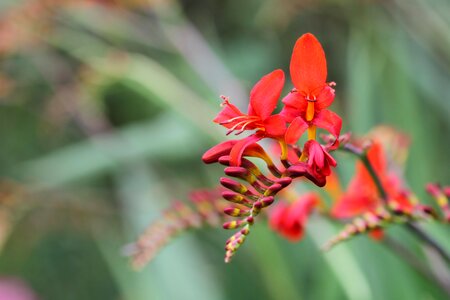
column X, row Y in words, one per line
column 315, row 154
column 377, row 234
column 264, row 95
column 277, row 215
column 403, row 202
column 296, row 100
column 377, row 159
column 329, row 121
column 228, row 112
column 296, row 219
column 294, row 233
column 330, row 159
column 295, row 130
column 351, row 205
column 324, row 99
column 308, row 65
column 301, row 208
column 238, row 149
column 222, row 149
column 275, row 126
column 289, row 113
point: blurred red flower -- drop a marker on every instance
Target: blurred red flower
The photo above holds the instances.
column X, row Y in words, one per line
column 362, row 194
column 289, row 220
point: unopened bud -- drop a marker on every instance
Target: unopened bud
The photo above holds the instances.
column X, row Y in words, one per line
column 237, row 172
column 273, row 189
column 236, row 198
column 285, row 181
column 433, row 189
column 225, row 160
column 234, row 224
column 214, row 153
column 233, row 185
column 236, row 212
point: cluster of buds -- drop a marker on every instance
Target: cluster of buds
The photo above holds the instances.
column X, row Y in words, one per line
column 304, row 110
column 442, row 197
column 205, row 209
column 373, row 210
column 373, row 222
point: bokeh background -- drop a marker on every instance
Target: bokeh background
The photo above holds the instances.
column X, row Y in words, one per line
column 106, row 109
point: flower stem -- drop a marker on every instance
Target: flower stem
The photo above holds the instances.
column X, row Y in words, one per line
column 413, row 228
column 415, row 263
column 429, row 240
column 365, row 160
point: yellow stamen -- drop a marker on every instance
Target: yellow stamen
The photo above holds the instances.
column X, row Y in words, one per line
column 284, row 149
column 303, row 157
column 310, row 111
column 312, row 132
column 442, row 200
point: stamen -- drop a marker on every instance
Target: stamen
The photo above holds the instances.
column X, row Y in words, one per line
column 235, row 126
column 239, row 117
column 233, row 119
column 310, row 111
column 226, row 101
column 308, row 98
column 303, row 157
column 312, row 132
column 243, row 124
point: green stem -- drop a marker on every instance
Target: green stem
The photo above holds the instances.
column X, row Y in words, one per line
column 417, row 231
column 407, row 255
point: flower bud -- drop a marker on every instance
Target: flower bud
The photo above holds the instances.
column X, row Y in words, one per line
column 213, row 154
column 233, row 185
column 236, row 212
column 234, row 224
column 236, row 198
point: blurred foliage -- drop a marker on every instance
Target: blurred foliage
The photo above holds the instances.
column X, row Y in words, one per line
column 106, row 108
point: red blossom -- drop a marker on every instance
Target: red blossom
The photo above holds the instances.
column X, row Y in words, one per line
column 319, row 160
column 289, row 220
column 305, row 105
column 362, row 194
column 263, row 100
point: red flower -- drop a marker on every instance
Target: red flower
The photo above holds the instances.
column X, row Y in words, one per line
column 305, row 105
column 290, row 220
column 362, row 194
column 263, row 100
column 319, row 160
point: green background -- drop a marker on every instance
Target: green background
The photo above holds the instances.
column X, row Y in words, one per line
column 109, row 110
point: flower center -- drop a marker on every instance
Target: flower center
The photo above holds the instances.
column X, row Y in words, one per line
column 310, row 115
column 310, row 107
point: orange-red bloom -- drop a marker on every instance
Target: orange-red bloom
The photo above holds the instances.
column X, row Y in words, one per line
column 289, row 220
column 362, row 194
column 263, row 100
column 319, row 160
column 305, row 105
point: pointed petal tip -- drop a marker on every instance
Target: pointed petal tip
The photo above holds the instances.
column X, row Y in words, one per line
column 308, row 37
column 265, row 94
column 308, row 66
column 278, row 73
